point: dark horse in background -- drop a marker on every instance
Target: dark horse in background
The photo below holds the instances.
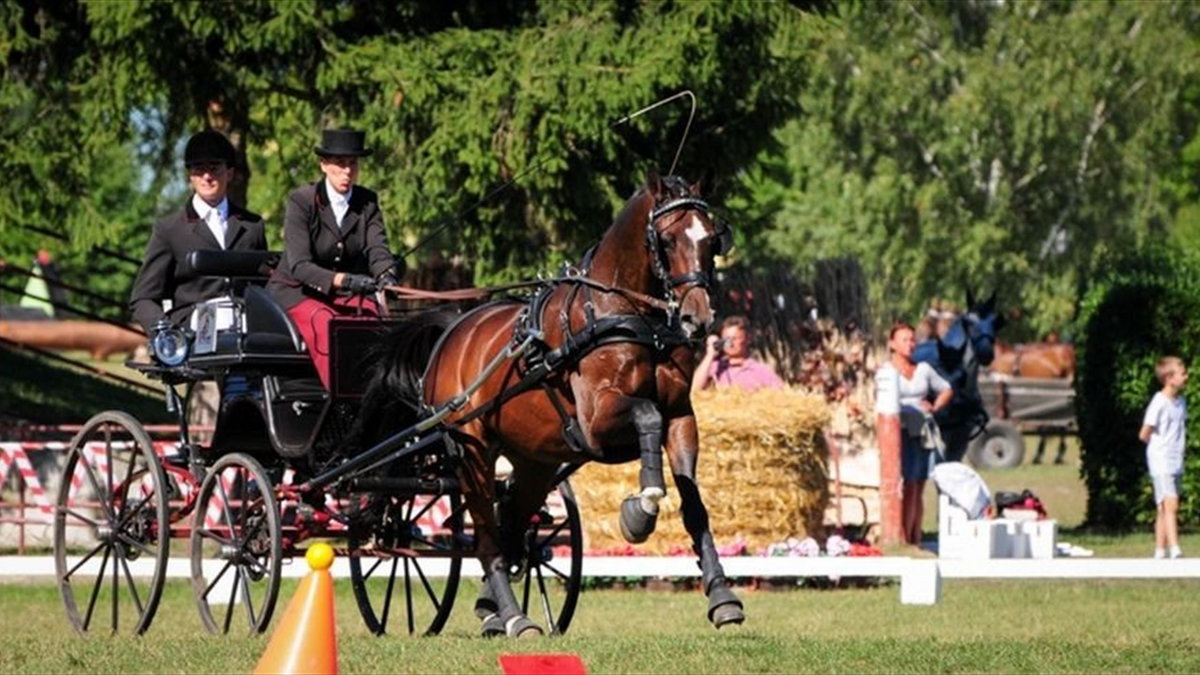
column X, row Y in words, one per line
column 597, row 366
column 957, row 356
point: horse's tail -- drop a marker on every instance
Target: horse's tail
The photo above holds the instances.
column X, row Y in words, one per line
column 393, row 396
column 404, row 353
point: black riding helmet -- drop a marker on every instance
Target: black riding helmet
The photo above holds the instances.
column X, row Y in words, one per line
column 208, row 147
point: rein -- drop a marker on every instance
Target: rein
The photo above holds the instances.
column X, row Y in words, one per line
column 463, row 294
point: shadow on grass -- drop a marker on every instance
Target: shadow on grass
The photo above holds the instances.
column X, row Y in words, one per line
column 46, row 393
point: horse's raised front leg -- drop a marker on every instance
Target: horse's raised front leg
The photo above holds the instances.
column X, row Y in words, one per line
column 724, row 607
column 609, row 417
column 497, row 606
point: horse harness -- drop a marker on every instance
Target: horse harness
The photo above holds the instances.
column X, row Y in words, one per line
column 659, row 329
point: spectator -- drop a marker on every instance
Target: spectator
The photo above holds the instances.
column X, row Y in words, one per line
column 727, row 361
column 1164, row 431
column 922, row 392
column 927, row 328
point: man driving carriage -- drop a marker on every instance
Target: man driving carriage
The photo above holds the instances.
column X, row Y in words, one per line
column 336, row 253
column 208, row 221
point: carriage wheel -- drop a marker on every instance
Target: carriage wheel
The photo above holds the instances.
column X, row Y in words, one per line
column 236, row 545
column 553, row 567
column 112, row 505
column 408, row 553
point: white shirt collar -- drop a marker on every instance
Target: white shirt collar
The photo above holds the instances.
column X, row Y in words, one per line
column 340, row 202
column 202, row 208
column 336, row 198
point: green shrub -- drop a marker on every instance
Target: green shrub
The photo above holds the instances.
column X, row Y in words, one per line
column 1138, row 308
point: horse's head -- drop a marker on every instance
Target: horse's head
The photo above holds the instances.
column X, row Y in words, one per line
column 683, row 239
column 981, row 323
column 971, row 339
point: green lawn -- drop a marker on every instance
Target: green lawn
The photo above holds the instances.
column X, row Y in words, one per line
column 1031, row 626
column 993, row 626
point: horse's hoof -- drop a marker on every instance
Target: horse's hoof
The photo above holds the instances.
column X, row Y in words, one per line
column 727, row 614
column 724, row 606
column 492, row 626
column 521, row 626
column 636, row 524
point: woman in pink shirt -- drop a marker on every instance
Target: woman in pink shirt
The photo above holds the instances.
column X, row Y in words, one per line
column 727, row 361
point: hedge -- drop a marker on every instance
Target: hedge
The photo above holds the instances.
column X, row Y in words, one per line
column 1138, row 307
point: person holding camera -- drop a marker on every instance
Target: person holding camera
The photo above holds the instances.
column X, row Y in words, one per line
column 336, row 255
column 727, row 361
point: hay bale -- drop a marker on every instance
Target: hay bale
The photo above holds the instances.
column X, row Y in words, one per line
column 761, row 471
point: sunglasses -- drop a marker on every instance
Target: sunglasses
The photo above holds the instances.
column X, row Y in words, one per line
column 206, row 167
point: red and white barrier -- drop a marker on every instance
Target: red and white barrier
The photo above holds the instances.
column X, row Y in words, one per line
column 14, row 455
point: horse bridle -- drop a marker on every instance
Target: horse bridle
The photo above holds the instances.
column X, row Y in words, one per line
column 696, row 279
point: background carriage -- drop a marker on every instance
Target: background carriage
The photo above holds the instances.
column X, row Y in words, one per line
column 276, row 474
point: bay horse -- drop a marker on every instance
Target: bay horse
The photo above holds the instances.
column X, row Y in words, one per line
column 597, row 366
column 968, row 344
column 1048, row 360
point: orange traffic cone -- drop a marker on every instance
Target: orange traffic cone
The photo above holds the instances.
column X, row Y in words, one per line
column 306, row 639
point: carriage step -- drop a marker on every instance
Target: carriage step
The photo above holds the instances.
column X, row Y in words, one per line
column 406, row 485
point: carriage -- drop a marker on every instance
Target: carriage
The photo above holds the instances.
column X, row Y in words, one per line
column 594, row 364
column 276, row 475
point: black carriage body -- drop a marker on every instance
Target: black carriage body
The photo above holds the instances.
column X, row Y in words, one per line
column 271, row 402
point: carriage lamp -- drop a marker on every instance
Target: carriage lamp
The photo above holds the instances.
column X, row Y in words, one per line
column 170, row 344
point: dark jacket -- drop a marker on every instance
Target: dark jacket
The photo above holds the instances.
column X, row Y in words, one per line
column 163, row 275
column 315, row 248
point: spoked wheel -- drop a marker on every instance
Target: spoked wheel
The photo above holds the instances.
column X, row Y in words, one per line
column 236, row 546
column 549, row 579
column 405, row 562
column 112, row 507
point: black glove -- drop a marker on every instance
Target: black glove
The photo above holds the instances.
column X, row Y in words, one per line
column 388, row 278
column 357, row 284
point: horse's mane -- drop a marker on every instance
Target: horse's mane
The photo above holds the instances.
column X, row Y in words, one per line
column 393, row 394
column 670, row 187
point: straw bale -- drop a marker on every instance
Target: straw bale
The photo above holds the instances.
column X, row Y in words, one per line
column 761, row 472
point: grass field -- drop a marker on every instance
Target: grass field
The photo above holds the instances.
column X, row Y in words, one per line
column 991, row 626
column 1039, row 626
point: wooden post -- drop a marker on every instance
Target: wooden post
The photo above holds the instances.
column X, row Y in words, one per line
column 887, row 434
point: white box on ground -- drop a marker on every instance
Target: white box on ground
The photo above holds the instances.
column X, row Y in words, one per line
column 1042, row 537
column 960, row 538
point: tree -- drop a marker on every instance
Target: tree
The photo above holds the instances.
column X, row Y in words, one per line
column 458, row 97
column 983, row 144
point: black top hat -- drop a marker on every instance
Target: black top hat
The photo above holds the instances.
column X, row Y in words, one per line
column 343, row 143
column 207, row 147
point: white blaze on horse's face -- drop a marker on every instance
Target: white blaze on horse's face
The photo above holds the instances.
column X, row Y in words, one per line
column 696, row 231
column 695, row 308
